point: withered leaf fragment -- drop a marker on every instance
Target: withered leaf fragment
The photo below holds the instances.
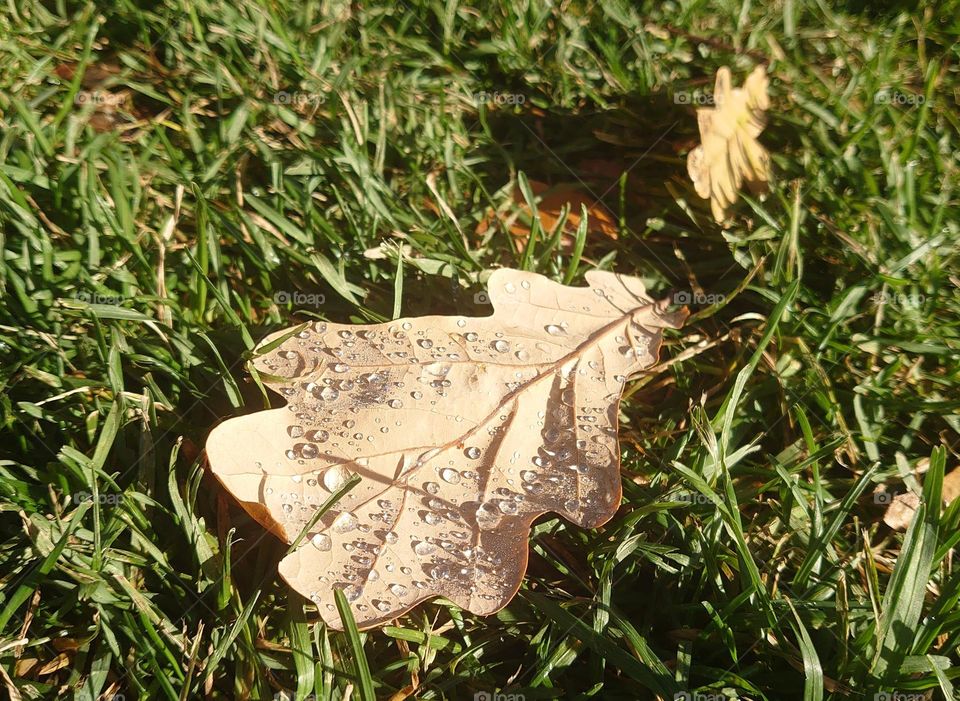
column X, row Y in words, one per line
column 729, row 154
column 463, row 430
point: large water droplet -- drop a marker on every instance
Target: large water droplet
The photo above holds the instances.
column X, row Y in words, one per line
column 329, row 394
column 424, row 548
column 321, row 541
column 395, row 404
column 432, row 518
column 425, row 343
column 528, row 476
column 391, row 537
column 473, row 452
column 522, row 355
column 398, row 589
column 488, row 517
column 449, row 475
column 340, row 367
column 507, row 507
column 318, row 436
column 555, row 330
column 500, row 346
column 345, row 522
column 309, row 451
column 335, row 477
column 471, row 336
column 295, row 431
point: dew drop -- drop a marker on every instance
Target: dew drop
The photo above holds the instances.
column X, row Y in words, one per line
column 329, row 394
column 391, row 537
column 432, row 518
column 395, row 404
column 528, row 476
column 295, row 431
column 334, row 478
column 309, row 451
column 432, row 487
column 321, row 541
column 555, row 330
column 500, row 346
column 345, row 522
column 340, row 367
column 425, row 343
column 318, row 436
column 398, row 589
column 522, row 355
column 416, row 394
column 424, row 548
column 471, row 336
column 450, row 475
column 473, row 452
column 487, row 517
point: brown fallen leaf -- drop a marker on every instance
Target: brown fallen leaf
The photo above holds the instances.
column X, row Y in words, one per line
column 902, row 508
column 463, row 431
column 552, row 200
column 730, row 154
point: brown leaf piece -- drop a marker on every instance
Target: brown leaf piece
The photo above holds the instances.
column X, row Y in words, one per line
column 462, row 429
column 729, row 154
column 552, row 201
column 901, row 510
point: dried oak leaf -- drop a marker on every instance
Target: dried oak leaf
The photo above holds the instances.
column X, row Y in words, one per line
column 463, row 431
column 729, row 154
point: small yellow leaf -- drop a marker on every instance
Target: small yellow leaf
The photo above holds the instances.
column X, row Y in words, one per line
column 729, row 155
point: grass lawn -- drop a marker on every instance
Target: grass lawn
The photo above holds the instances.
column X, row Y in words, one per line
column 178, row 179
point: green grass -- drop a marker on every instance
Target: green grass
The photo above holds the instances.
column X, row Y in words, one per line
column 262, row 149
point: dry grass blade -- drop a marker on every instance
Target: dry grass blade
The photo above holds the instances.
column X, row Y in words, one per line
column 463, row 430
